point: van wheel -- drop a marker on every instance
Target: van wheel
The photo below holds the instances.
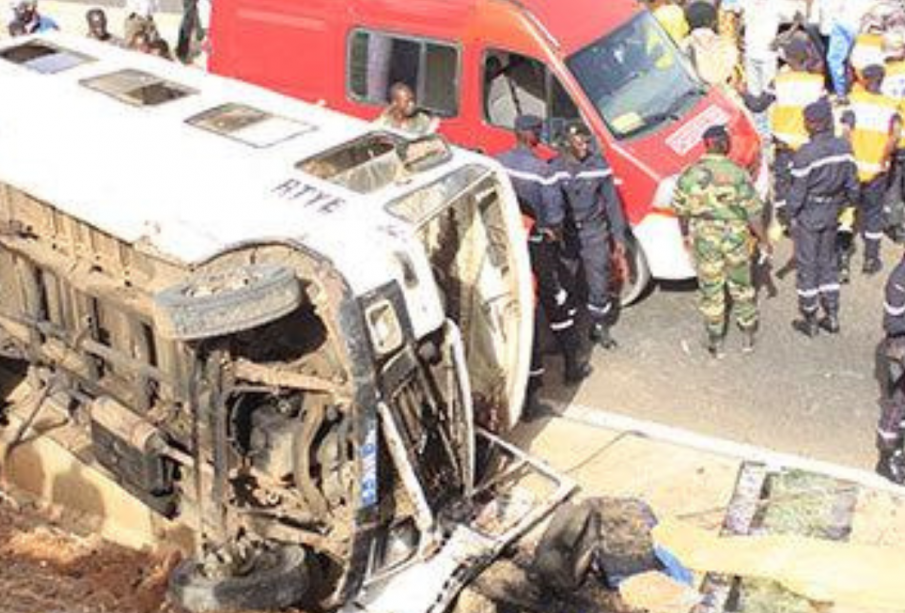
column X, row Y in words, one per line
column 278, row 579
column 225, row 302
column 638, row 280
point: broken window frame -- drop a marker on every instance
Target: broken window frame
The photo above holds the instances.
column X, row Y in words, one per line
column 207, row 121
column 43, row 63
column 357, row 74
column 117, row 85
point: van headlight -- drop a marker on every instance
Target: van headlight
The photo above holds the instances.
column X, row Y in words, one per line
column 383, row 326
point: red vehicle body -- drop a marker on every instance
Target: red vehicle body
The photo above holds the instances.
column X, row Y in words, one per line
column 605, row 61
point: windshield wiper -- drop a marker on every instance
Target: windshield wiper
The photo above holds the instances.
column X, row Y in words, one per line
column 671, row 113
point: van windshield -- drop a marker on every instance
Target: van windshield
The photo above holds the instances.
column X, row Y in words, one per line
column 635, row 77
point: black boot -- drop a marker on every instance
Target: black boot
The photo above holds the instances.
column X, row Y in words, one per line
column 600, row 334
column 577, row 370
column 872, row 266
column 892, row 466
column 807, row 325
column 830, row 323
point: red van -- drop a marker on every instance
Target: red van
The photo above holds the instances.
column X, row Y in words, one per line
column 479, row 63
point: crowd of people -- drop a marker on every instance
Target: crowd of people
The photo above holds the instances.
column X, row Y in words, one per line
column 140, row 31
column 827, row 79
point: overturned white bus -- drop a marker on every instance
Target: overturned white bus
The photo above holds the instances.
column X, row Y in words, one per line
column 277, row 323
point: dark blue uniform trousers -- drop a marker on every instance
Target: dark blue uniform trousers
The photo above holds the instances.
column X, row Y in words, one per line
column 817, row 268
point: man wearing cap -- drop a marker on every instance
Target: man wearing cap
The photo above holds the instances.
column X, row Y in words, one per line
column 589, row 192
column 541, row 203
column 718, row 210
column 891, row 463
column 27, row 20
column 795, row 87
column 824, row 179
column 875, row 127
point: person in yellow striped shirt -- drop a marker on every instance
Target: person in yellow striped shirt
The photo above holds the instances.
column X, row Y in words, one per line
column 875, row 127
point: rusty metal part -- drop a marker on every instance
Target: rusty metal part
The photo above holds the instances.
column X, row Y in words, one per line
column 128, row 426
column 269, row 375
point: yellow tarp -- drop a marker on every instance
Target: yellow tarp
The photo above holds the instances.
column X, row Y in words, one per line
column 824, row 571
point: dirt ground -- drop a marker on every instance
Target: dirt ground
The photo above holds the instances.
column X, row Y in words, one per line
column 46, row 566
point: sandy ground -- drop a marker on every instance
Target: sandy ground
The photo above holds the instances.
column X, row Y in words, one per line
column 46, row 566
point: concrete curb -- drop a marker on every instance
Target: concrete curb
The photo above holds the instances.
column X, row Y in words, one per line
column 600, row 418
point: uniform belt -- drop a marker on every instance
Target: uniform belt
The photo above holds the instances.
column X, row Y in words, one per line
column 824, row 199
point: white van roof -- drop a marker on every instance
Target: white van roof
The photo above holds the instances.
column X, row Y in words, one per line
column 150, row 178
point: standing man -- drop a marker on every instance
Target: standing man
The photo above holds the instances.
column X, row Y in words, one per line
column 541, row 202
column 875, row 127
column 590, row 195
column 718, row 210
column 889, row 431
column 824, row 179
column 403, row 113
column 794, row 88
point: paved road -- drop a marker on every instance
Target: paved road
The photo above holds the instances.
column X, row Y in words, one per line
column 811, row 397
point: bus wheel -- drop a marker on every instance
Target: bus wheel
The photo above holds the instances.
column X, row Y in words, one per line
column 636, row 282
column 278, row 579
column 225, row 302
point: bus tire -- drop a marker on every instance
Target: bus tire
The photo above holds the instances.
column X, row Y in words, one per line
column 278, row 582
column 632, row 288
column 221, row 303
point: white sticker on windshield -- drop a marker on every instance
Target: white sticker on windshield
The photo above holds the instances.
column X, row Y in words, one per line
column 688, row 136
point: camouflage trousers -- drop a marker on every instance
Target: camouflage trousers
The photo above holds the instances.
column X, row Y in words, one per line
column 723, row 263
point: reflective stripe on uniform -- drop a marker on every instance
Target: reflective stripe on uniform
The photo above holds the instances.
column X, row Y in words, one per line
column 594, row 174
column 835, row 159
column 868, row 49
column 894, row 311
column 830, row 287
column 531, row 177
column 808, row 293
column 794, row 91
column 559, row 326
column 600, row 310
column 874, row 115
column 873, row 236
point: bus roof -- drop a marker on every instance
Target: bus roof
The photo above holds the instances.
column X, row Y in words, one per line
column 158, row 162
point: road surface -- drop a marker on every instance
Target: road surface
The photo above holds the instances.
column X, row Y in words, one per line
column 815, row 398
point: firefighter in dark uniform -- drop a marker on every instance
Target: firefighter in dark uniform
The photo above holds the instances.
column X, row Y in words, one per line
column 540, row 200
column 593, row 205
column 824, row 178
column 889, row 431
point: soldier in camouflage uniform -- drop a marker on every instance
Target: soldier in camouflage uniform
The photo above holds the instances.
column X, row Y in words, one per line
column 718, row 211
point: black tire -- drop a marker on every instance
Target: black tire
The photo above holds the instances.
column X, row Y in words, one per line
column 217, row 304
column 567, row 547
column 281, row 582
column 632, row 288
